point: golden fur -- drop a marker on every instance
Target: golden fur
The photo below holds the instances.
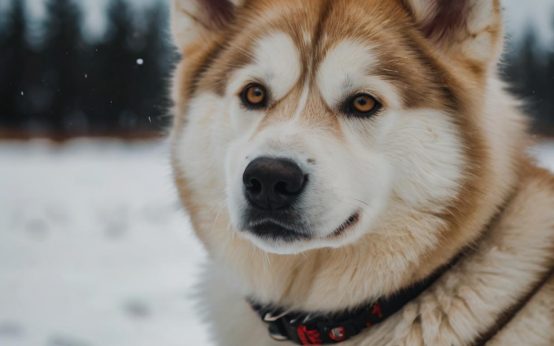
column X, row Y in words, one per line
column 503, row 207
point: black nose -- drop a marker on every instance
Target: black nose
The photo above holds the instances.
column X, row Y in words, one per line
column 273, row 184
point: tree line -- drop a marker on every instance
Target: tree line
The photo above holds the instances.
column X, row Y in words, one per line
column 61, row 83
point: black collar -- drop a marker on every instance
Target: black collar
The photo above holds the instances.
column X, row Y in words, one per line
column 324, row 328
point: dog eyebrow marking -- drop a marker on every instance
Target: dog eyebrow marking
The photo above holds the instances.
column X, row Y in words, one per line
column 277, row 62
column 343, row 68
column 352, row 66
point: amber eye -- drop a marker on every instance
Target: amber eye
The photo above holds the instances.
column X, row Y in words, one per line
column 364, row 103
column 361, row 105
column 254, row 96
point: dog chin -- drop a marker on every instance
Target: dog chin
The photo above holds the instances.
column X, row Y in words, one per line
column 279, row 247
column 343, row 235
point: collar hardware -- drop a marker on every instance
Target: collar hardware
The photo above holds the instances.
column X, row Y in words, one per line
column 320, row 329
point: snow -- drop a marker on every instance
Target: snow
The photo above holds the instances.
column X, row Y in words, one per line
column 94, row 248
column 544, row 152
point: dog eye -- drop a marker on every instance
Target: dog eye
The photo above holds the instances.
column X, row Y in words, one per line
column 254, row 96
column 362, row 105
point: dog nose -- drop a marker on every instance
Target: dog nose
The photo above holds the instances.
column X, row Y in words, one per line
column 272, row 184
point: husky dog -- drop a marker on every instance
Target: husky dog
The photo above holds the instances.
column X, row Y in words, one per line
column 358, row 174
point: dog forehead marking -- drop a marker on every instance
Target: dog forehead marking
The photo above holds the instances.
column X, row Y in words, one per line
column 344, row 65
column 303, row 101
column 279, row 60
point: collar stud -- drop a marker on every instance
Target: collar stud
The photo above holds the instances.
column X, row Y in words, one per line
column 337, row 334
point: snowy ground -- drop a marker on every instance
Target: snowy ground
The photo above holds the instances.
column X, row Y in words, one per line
column 94, row 249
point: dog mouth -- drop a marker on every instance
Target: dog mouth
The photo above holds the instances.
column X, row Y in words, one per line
column 276, row 230
column 279, row 231
column 346, row 225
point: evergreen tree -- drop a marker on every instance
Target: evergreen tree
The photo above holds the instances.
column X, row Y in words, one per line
column 61, row 58
column 549, row 87
column 120, row 83
column 153, row 74
column 526, row 74
column 14, row 51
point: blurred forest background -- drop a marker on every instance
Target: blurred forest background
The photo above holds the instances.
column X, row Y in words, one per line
column 57, row 82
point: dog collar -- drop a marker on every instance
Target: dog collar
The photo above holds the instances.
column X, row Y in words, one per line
column 321, row 328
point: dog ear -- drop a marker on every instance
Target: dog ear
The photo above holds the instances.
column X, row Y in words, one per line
column 194, row 19
column 467, row 29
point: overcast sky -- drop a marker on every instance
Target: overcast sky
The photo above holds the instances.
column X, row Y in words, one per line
column 518, row 14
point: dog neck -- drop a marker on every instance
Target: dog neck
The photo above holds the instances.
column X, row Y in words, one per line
column 318, row 328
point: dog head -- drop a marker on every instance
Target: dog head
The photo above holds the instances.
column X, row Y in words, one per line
column 312, row 124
